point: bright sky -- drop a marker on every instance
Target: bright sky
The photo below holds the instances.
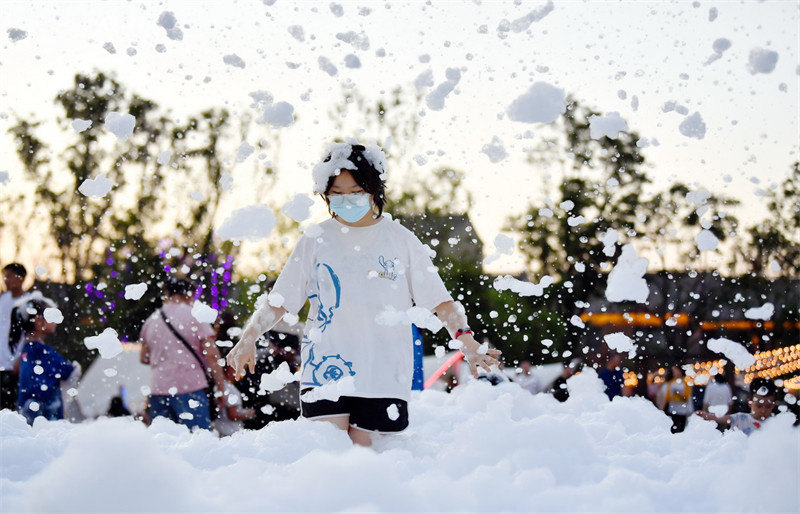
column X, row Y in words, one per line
column 603, row 53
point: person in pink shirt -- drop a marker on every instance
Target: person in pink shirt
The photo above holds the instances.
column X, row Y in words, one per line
column 180, row 350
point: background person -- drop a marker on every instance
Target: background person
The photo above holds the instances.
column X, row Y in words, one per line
column 763, row 400
column 41, row 368
column 13, row 276
column 718, row 396
column 678, row 398
column 526, row 378
column 178, row 380
column 612, row 376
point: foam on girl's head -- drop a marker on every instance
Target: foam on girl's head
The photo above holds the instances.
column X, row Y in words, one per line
column 337, row 158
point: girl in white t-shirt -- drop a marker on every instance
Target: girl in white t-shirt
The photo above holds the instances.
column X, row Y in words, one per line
column 366, row 277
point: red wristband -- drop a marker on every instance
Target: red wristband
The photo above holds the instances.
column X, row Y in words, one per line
column 461, row 331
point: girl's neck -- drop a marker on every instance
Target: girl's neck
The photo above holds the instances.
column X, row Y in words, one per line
column 36, row 336
column 367, row 220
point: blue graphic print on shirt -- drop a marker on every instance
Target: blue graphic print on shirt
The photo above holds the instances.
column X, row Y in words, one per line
column 329, row 368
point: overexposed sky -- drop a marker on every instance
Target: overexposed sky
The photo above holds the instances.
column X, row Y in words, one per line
column 603, row 53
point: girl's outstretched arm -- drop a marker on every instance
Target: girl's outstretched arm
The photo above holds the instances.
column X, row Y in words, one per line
column 455, row 321
column 243, row 355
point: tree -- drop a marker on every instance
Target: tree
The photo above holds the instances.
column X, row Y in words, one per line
column 777, row 238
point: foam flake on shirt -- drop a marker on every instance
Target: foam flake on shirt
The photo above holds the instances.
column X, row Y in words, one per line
column 275, row 299
column 416, row 315
column 331, row 391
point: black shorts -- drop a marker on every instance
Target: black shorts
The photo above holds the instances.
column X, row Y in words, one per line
column 370, row 414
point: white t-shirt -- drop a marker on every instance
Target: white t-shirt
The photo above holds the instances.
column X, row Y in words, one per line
column 718, row 394
column 352, row 276
column 745, row 422
column 529, row 382
column 6, row 306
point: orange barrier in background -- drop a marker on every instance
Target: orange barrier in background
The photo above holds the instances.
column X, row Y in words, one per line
column 442, row 369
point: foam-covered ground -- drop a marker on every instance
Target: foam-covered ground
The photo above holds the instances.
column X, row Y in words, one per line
column 481, row 448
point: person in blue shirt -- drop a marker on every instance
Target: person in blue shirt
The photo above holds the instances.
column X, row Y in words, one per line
column 612, row 376
column 41, row 368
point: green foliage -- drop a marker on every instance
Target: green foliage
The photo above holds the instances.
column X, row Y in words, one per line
column 604, row 189
column 777, row 238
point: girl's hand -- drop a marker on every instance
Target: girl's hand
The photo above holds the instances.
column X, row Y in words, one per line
column 242, row 357
column 475, row 357
column 485, row 361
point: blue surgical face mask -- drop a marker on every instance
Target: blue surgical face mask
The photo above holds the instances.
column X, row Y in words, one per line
column 350, row 208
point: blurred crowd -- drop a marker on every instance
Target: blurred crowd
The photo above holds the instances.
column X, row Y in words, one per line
column 191, row 384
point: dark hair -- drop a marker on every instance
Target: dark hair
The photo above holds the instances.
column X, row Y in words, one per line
column 23, row 320
column 17, row 269
column 179, row 286
column 758, row 384
column 365, row 175
column 720, row 378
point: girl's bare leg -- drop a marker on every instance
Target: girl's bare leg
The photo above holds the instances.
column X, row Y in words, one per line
column 359, row 437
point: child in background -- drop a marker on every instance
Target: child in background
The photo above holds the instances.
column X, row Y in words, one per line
column 763, row 399
column 41, row 368
column 232, row 413
column 678, row 397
